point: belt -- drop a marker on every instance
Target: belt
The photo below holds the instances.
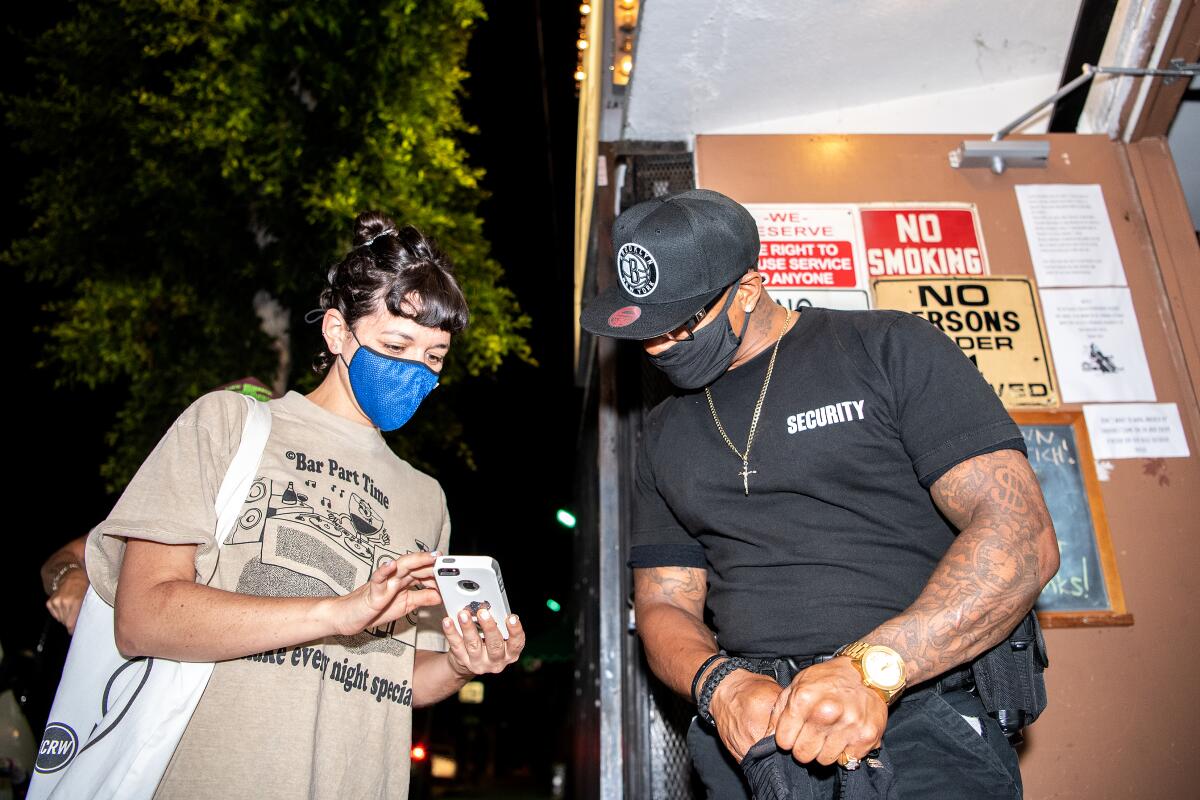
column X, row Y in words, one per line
column 784, row 669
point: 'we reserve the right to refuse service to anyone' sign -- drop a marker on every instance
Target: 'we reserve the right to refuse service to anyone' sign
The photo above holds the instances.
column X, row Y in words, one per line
column 995, row 320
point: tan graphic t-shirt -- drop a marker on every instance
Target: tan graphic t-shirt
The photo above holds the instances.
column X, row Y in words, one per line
column 330, row 718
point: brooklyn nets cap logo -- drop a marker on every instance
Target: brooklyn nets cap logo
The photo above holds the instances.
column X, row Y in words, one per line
column 636, row 270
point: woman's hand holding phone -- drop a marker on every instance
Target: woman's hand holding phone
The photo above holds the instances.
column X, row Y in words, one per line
column 470, row 654
column 387, row 596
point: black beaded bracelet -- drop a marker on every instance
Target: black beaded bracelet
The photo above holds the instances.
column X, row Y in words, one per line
column 696, row 679
column 719, row 673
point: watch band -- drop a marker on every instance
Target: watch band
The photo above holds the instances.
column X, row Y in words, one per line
column 719, row 673
column 855, row 651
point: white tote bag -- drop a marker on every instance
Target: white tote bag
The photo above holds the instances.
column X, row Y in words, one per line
column 115, row 721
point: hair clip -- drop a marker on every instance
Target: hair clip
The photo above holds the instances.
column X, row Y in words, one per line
column 314, row 315
column 371, row 241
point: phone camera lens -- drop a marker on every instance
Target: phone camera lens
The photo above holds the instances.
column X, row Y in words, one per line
column 469, row 586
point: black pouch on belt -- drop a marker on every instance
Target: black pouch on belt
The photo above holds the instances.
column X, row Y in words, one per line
column 1009, row 678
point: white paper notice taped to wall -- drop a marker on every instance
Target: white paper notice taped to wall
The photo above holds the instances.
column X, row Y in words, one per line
column 1097, row 346
column 1136, row 430
column 1070, row 235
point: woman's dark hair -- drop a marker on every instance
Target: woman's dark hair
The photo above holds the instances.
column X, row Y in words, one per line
column 399, row 267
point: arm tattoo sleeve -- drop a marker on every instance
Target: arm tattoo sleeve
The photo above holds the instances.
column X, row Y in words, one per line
column 669, row 602
column 992, row 573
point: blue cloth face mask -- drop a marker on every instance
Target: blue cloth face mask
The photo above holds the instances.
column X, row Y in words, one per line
column 388, row 389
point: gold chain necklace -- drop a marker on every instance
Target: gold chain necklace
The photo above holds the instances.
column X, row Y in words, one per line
column 745, row 457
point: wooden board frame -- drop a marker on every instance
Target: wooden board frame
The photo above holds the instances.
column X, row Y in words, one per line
column 1117, row 614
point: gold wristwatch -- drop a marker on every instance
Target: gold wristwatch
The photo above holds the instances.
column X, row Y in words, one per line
column 882, row 668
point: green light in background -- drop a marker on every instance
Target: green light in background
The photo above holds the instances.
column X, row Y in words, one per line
column 565, row 518
column 553, row 605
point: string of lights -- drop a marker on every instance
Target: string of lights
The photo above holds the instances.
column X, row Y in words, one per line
column 625, row 18
column 582, row 43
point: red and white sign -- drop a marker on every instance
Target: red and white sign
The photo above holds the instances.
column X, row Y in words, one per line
column 809, row 247
column 941, row 239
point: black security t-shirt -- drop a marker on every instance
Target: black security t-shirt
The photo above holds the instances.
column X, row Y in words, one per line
column 866, row 409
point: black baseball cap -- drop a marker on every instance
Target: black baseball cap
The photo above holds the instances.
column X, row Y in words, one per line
column 674, row 255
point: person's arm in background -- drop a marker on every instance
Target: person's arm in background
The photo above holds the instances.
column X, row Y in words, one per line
column 669, row 602
column 66, row 582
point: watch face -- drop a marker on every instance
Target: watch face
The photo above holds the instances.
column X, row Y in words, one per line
column 883, row 668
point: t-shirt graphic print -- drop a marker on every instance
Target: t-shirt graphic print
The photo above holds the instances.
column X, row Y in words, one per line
column 324, row 529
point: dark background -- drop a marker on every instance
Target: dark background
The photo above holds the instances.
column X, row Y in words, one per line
column 521, row 423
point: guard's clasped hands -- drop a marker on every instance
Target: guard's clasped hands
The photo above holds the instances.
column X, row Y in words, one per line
column 826, row 711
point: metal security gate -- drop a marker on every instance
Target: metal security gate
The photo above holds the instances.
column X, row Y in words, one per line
column 642, row 725
column 665, row 716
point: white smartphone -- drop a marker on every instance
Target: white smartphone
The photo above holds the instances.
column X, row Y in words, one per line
column 474, row 583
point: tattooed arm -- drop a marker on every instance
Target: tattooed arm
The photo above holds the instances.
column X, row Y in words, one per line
column 669, row 602
column 985, row 583
column 992, row 573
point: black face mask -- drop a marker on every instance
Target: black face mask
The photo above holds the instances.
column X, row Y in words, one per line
column 701, row 360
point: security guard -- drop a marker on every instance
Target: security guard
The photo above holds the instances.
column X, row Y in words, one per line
column 833, row 516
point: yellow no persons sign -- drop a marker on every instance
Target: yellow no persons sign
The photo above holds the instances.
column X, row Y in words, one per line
column 995, row 320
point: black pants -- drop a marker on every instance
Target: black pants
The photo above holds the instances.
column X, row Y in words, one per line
column 936, row 754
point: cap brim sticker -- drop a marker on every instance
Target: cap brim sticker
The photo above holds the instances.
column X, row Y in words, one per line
column 624, row 316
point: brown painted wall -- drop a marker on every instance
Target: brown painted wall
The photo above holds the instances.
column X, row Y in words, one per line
column 1124, row 714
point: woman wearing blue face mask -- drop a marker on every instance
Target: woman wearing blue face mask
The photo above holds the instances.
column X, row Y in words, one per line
column 318, row 607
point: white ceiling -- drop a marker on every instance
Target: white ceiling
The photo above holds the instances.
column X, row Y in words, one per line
column 852, row 66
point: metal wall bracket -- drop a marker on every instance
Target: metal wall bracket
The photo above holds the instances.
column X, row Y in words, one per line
column 998, row 154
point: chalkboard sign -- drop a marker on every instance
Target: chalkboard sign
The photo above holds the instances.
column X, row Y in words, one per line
column 1087, row 588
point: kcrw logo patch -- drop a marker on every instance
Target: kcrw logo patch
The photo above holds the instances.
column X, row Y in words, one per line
column 59, row 745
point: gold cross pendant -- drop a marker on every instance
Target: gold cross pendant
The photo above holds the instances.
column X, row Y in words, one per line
column 746, row 473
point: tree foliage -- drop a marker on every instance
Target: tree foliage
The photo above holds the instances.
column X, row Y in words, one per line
column 194, row 153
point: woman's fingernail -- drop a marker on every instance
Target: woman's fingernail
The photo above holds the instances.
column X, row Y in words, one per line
column 436, row 553
column 447, row 622
column 485, row 614
column 513, row 620
column 383, row 562
column 464, row 616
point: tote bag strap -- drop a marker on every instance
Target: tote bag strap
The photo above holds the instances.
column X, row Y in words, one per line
column 132, row 752
column 187, row 681
column 243, row 469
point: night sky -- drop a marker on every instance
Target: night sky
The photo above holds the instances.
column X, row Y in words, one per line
column 522, row 423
